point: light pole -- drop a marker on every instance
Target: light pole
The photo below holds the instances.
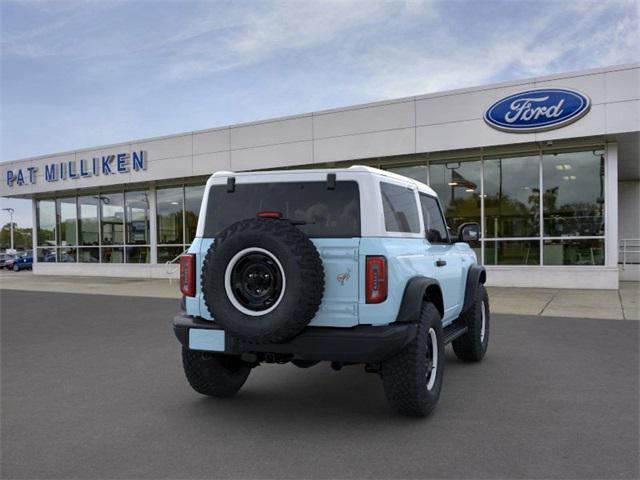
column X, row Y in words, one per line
column 10, row 210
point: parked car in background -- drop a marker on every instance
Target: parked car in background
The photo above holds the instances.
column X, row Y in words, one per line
column 23, row 261
column 4, row 259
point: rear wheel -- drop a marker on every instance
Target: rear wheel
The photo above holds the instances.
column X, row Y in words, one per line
column 412, row 379
column 214, row 375
column 16, row 268
column 472, row 346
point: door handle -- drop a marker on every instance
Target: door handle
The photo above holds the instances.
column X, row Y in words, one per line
column 441, row 263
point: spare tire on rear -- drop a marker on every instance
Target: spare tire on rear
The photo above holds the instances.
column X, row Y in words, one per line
column 262, row 280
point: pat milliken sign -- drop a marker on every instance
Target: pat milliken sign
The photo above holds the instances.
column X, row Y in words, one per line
column 105, row 165
column 537, row 110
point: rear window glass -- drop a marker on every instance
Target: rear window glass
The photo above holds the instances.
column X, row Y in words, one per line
column 400, row 209
column 321, row 211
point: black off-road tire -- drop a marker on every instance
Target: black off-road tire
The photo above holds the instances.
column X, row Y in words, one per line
column 472, row 346
column 404, row 376
column 214, row 375
column 303, row 271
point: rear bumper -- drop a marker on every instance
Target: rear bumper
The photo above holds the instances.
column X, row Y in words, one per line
column 360, row 344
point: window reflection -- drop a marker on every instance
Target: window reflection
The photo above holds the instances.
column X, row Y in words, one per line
column 88, row 220
column 46, row 218
column 46, row 255
column 137, row 254
column 167, row 254
column 512, row 252
column 169, row 207
column 89, row 255
column 573, row 251
column 512, row 197
column 573, row 198
column 137, row 217
column 192, row 200
column 66, row 255
column 67, row 219
column 458, row 187
column 112, row 218
column 112, row 255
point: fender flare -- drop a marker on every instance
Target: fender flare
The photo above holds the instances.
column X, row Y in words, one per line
column 417, row 289
column 476, row 275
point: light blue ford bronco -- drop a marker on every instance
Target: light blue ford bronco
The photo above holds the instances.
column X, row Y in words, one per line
column 351, row 266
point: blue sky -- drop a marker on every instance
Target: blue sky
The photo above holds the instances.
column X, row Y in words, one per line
column 80, row 74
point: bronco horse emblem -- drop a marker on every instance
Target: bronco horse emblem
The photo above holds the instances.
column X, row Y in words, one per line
column 343, row 277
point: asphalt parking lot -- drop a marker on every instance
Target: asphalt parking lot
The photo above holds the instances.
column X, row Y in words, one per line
column 92, row 387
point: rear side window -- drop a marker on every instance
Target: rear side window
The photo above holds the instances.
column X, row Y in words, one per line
column 400, row 209
column 434, row 226
column 321, row 212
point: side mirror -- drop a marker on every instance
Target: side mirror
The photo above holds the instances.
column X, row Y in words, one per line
column 469, row 232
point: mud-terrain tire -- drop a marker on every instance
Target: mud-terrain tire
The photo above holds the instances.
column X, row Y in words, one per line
column 214, row 375
column 411, row 381
column 262, row 280
column 472, row 346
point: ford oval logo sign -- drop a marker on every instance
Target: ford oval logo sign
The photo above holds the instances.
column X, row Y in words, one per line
column 537, row 110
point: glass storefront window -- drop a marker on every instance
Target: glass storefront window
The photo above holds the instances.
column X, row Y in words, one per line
column 67, row 221
column 112, row 218
column 574, row 251
column 47, row 255
column 137, row 254
column 512, row 197
column 112, row 254
column 166, row 254
column 512, row 252
column 192, row 200
column 66, row 255
column 573, row 198
column 458, row 187
column 88, row 220
column 89, row 255
column 137, row 218
column 46, row 218
column 169, row 204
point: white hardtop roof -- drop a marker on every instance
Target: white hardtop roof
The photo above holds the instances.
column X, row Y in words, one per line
column 323, row 171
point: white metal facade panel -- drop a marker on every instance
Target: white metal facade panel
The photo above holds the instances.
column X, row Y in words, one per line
column 211, row 141
column 366, row 145
column 207, row 163
column 272, row 132
column 272, row 156
column 354, row 121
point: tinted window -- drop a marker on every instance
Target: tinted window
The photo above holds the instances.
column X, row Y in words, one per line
column 325, row 212
column 400, row 210
column 434, row 226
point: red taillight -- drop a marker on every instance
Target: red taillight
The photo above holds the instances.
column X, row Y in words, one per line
column 269, row 214
column 188, row 275
column 376, row 279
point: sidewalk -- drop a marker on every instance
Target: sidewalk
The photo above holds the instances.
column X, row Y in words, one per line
column 606, row 304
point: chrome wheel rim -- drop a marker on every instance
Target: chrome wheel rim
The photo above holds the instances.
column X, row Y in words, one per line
column 483, row 325
column 432, row 359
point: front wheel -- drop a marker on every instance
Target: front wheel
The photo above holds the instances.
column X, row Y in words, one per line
column 16, row 268
column 412, row 379
column 214, row 375
column 472, row 346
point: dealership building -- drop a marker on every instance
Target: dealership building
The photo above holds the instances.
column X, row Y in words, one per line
column 549, row 166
